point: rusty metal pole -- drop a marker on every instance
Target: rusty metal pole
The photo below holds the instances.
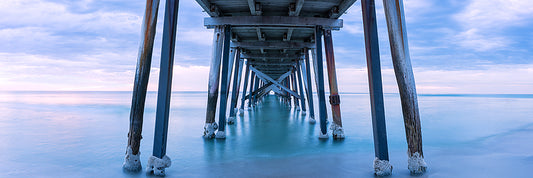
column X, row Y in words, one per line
column 142, row 74
column 334, row 98
column 246, row 78
column 252, row 83
column 223, row 87
column 406, row 83
column 381, row 162
column 300, row 86
column 236, row 87
column 322, row 112
column 165, row 90
column 214, row 79
column 309, row 87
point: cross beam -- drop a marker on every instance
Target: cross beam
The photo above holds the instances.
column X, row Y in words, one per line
column 287, row 21
column 273, row 45
column 265, row 77
column 271, row 56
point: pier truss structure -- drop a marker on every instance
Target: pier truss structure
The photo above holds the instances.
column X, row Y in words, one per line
column 276, row 46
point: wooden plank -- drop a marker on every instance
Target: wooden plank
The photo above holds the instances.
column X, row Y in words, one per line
column 258, row 21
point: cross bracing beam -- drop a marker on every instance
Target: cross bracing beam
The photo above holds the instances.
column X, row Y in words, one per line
column 273, row 45
column 342, row 8
column 296, row 8
column 269, row 85
column 287, row 21
column 265, row 77
column 209, row 8
column 271, row 56
column 272, row 64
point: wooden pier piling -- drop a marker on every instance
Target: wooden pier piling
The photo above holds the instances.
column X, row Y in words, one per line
column 300, row 86
column 224, row 83
column 309, row 87
column 322, row 113
column 406, row 83
column 140, row 85
column 334, row 98
column 214, row 78
column 246, row 78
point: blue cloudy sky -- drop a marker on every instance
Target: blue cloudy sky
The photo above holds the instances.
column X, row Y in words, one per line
column 457, row 46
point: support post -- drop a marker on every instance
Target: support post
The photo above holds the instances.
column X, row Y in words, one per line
column 381, row 162
column 214, row 78
column 252, row 83
column 309, row 87
column 334, row 98
column 406, row 83
column 300, row 86
column 142, row 74
column 246, row 78
column 236, row 87
column 223, row 88
column 295, row 89
column 320, row 84
column 256, row 86
column 159, row 160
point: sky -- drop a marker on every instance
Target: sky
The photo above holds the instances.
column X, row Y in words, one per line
column 456, row 46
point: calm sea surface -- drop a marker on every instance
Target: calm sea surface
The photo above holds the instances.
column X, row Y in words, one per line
column 84, row 134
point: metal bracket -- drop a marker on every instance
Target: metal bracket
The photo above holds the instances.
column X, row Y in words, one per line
column 334, row 99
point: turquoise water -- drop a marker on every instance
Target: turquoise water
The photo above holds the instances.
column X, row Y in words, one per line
column 84, row 134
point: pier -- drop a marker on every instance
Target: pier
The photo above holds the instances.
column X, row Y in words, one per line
column 276, row 46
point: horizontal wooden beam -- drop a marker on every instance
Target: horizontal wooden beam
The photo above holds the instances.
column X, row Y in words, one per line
column 271, row 56
column 287, row 21
column 273, row 45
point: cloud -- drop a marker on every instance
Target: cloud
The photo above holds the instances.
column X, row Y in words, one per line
column 485, row 22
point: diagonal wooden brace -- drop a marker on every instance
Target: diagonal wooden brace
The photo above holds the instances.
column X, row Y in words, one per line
column 268, row 78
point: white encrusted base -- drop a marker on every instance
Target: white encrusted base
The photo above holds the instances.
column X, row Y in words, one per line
column 231, row 120
column 132, row 162
column 323, row 136
column 209, row 130
column 304, row 113
column 416, row 164
column 157, row 166
column 382, row 167
column 221, row 134
column 312, row 120
column 241, row 112
column 297, row 108
column 337, row 131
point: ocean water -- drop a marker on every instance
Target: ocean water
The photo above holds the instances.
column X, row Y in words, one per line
column 84, row 134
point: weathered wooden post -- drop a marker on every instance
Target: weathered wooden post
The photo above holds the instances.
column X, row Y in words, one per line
column 334, row 98
column 214, row 78
column 236, row 87
column 132, row 160
column 309, row 87
column 232, row 55
column 300, row 86
column 159, row 160
column 224, row 84
column 406, row 83
column 320, row 84
column 382, row 166
column 246, row 76
column 252, row 83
